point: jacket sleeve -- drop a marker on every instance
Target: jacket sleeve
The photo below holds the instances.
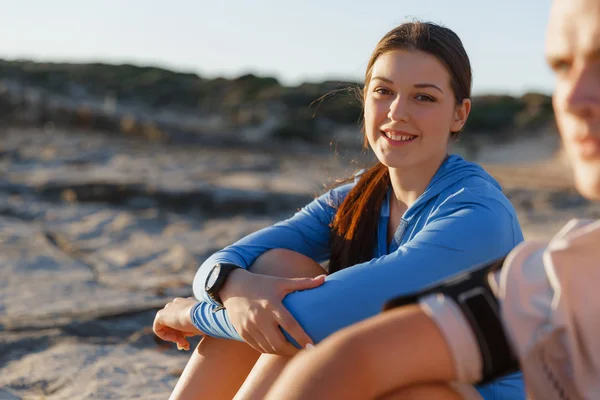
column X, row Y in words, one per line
column 465, row 230
column 307, row 232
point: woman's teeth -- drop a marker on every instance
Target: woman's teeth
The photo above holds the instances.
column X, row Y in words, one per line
column 398, row 137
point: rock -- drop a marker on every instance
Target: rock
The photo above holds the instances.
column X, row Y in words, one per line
column 97, row 237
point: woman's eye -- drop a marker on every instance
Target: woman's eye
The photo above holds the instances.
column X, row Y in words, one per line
column 422, row 97
column 382, row 91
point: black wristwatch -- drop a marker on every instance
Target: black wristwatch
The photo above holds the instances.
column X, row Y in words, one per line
column 217, row 278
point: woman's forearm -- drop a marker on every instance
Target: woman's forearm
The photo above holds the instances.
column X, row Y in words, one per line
column 307, row 232
column 216, row 322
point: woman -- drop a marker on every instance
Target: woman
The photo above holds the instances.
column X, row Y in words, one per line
column 416, row 217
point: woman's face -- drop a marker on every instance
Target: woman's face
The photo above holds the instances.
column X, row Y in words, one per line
column 410, row 109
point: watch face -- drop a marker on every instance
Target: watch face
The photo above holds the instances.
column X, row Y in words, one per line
column 212, row 277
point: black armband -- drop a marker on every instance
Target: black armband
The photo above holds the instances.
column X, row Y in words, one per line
column 474, row 292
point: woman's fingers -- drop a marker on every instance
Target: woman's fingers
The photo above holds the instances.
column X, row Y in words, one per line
column 261, row 341
column 244, row 328
column 164, row 332
column 183, row 345
column 289, row 285
column 252, row 343
column 291, row 326
column 283, row 316
column 277, row 341
column 159, row 327
column 255, row 339
column 172, row 335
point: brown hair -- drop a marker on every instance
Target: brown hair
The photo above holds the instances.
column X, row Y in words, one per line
column 354, row 227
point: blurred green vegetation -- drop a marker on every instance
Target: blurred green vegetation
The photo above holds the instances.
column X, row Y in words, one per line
column 305, row 112
column 495, row 114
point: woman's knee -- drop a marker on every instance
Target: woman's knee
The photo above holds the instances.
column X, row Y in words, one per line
column 210, row 347
column 286, row 264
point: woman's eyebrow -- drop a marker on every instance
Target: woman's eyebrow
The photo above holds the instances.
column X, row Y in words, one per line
column 428, row 85
column 417, row 85
column 381, row 78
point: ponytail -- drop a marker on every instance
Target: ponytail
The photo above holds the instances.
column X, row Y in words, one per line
column 354, row 227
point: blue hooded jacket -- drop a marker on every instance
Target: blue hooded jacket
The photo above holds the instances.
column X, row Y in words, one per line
column 461, row 220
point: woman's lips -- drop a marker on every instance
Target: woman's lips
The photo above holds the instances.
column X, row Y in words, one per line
column 398, row 138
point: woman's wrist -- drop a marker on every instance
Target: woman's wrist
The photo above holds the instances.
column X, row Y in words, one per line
column 233, row 281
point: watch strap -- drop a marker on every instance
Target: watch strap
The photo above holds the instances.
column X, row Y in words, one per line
column 224, row 271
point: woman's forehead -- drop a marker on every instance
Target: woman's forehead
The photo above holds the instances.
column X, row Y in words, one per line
column 410, row 66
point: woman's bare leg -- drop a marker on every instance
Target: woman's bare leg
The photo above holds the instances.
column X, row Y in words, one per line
column 218, row 367
column 263, row 375
column 269, row 366
column 216, row 370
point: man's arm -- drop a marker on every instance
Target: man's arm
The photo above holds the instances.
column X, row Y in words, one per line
column 372, row 358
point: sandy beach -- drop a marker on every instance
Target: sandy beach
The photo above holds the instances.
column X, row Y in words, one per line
column 98, row 232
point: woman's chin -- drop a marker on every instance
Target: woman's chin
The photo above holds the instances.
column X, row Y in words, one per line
column 395, row 161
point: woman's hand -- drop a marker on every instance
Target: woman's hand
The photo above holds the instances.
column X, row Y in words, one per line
column 254, row 304
column 174, row 324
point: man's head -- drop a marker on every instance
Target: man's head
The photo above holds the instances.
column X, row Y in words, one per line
column 573, row 52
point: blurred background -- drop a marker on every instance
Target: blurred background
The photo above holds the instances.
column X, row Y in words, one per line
column 137, row 138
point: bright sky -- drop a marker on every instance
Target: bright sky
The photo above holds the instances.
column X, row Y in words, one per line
column 294, row 41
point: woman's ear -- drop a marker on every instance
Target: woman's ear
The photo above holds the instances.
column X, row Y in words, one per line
column 460, row 115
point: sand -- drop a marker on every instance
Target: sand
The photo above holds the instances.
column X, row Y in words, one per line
column 98, row 232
